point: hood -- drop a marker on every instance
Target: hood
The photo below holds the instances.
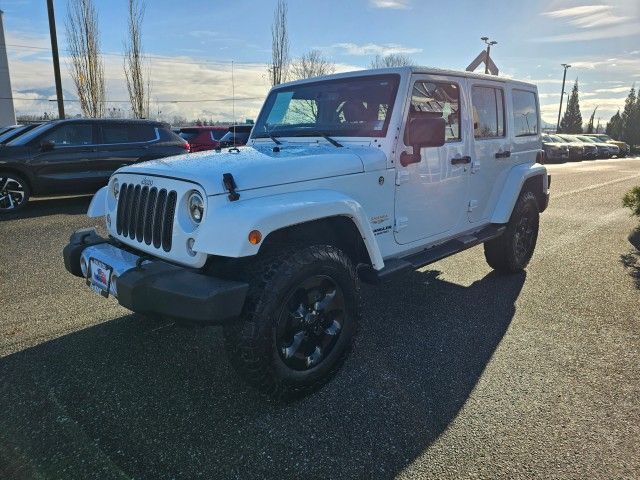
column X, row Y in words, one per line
column 259, row 166
column 555, row 144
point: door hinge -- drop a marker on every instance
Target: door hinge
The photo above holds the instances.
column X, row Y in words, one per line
column 402, row 177
column 475, row 166
column 401, row 222
column 473, row 204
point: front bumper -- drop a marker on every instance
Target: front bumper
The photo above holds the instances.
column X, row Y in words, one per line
column 150, row 286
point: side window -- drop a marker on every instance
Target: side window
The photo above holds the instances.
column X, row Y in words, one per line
column 525, row 113
column 430, row 99
column 488, row 112
column 70, row 135
column 112, row 134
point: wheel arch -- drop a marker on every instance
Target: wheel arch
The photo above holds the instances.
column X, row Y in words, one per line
column 520, row 178
column 21, row 172
column 290, row 217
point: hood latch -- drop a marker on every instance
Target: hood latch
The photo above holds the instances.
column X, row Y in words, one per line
column 230, row 184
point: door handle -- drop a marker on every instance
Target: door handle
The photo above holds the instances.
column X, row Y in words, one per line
column 460, row 160
column 505, row 154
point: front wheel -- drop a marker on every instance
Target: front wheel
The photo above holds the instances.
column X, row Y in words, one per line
column 299, row 321
column 512, row 250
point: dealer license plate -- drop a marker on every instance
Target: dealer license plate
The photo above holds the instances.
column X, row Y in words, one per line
column 100, row 277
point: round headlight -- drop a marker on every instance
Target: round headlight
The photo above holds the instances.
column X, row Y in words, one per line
column 115, row 188
column 196, row 207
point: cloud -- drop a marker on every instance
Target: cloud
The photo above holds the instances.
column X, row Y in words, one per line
column 392, row 4
column 613, row 90
column 593, row 22
column 375, row 49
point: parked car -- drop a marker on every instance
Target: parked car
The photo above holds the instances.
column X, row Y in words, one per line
column 16, row 132
column 576, row 147
column 7, row 128
column 555, row 149
column 622, row 146
column 203, row 138
column 236, row 136
column 273, row 240
column 77, row 156
column 589, row 150
column 605, row 150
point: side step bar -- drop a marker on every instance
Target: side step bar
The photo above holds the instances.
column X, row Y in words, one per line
column 417, row 260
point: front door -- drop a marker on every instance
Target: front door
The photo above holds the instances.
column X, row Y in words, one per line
column 64, row 159
column 431, row 194
column 124, row 143
column 491, row 149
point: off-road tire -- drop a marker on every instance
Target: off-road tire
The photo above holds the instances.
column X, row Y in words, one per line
column 25, row 188
column 506, row 253
column 250, row 342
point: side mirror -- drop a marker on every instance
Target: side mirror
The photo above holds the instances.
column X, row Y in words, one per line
column 47, row 146
column 422, row 133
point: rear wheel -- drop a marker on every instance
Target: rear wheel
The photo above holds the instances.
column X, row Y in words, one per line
column 14, row 192
column 512, row 250
column 299, row 322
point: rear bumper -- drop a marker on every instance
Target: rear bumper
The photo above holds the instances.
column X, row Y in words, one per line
column 151, row 286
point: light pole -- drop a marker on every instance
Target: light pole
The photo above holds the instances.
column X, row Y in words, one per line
column 56, row 60
column 489, row 43
column 564, row 77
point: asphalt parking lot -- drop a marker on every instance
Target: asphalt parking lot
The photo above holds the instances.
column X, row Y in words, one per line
column 457, row 372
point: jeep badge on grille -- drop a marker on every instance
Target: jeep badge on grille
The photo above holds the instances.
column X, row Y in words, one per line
column 147, row 182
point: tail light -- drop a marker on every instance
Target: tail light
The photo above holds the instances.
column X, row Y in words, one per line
column 540, row 156
column 186, row 146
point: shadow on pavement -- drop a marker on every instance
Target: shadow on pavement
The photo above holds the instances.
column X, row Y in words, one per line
column 131, row 398
column 51, row 206
column 631, row 263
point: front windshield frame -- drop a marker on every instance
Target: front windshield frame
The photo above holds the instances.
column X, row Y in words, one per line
column 303, row 130
column 30, row 135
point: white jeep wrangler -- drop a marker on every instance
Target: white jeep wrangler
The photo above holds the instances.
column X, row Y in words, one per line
column 346, row 178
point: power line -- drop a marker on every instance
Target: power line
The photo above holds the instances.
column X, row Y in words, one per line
column 148, row 56
column 204, row 100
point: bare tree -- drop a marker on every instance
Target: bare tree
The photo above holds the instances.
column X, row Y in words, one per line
column 311, row 64
column 391, row 60
column 87, row 70
column 279, row 67
column 133, row 61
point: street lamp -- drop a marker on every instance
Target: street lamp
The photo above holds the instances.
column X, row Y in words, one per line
column 488, row 43
column 564, row 77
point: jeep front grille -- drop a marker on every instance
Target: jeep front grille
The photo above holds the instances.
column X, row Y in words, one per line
column 146, row 214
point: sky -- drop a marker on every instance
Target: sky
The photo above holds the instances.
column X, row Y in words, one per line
column 191, row 46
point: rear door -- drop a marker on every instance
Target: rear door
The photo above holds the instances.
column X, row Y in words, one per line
column 125, row 143
column 68, row 163
column 491, row 157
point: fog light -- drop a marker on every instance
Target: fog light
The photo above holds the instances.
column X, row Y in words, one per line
column 83, row 266
column 254, row 237
column 190, row 250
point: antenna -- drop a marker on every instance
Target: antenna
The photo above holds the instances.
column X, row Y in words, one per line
column 233, row 104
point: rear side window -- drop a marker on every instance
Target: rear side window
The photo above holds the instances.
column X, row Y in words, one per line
column 217, row 134
column 439, row 100
column 70, row 134
column 189, row 135
column 488, row 112
column 112, row 134
column 525, row 113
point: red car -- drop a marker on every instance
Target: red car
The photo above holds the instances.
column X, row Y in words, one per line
column 203, row 138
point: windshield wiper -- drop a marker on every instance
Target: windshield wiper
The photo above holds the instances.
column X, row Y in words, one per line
column 274, row 138
column 315, row 133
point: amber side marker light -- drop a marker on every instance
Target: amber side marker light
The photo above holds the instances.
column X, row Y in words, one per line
column 254, row 237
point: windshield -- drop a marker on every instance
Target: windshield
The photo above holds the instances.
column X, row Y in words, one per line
column 350, row 107
column 27, row 137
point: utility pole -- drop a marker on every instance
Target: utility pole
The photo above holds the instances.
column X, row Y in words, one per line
column 489, row 43
column 564, row 77
column 56, row 58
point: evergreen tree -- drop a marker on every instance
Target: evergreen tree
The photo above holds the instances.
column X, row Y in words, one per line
column 629, row 123
column 614, row 127
column 591, row 118
column 572, row 120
